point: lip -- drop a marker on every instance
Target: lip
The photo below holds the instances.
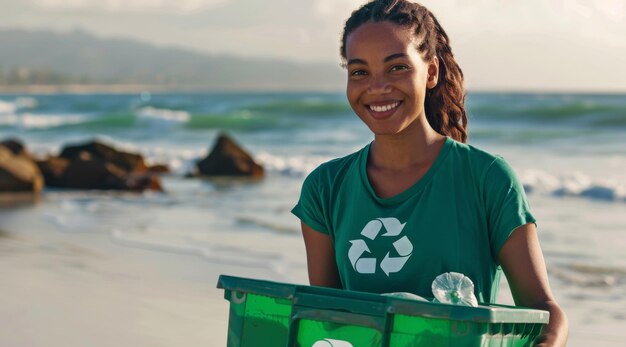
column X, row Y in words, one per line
column 383, row 114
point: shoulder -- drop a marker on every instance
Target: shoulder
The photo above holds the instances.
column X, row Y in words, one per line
column 475, row 160
column 473, row 153
column 483, row 167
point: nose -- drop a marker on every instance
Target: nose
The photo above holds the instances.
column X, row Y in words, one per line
column 379, row 84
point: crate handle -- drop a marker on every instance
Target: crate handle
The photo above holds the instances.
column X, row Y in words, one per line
column 340, row 317
column 336, row 303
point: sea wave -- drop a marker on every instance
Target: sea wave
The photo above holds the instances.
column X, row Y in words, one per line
column 302, row 107
column 11, row 107
column 574, row 184
column 163, row 115
column 295, row 166
column 239, row 120
column 149, row 117
column 40, row 121
column 587, row 112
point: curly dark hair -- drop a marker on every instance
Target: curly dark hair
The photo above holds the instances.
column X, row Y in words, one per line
column 445, row 103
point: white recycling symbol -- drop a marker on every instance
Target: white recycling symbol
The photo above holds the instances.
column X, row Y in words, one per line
column 331, row 343
column 367, row 265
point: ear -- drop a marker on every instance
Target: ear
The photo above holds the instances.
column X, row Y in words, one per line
column 433, row 73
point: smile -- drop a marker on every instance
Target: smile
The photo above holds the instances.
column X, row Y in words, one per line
column 384, row 108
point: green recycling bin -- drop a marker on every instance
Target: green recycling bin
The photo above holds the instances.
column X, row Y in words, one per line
column 273, row 314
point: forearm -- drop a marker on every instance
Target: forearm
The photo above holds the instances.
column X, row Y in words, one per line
column 555, row 333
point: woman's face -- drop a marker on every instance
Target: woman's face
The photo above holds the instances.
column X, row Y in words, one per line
column 387, row 77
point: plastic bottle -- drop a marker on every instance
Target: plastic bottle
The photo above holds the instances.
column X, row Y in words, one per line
column 454, row 288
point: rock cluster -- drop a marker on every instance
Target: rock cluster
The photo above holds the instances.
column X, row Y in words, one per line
column 93, row 165
column 96, row 165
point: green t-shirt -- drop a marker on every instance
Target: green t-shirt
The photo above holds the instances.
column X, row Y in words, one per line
column 455, row 218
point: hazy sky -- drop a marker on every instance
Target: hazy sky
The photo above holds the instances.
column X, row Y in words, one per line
column 523, row 44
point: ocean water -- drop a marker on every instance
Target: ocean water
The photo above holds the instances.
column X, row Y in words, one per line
column 569, row 150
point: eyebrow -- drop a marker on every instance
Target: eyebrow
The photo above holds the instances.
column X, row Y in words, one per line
column 387, row 59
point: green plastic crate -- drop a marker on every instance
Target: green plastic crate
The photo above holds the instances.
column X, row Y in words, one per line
column 273, row 314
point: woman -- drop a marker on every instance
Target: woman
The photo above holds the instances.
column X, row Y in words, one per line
column 417, row 201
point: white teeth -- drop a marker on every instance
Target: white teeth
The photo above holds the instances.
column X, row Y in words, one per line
column 384, row 107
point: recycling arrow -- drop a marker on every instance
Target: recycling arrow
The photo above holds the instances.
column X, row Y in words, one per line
column 331, row 343
column 372, row 229
column 392, row 264
column 361, row 265
column 389, row 264
column 392, row 225
column 403, row 246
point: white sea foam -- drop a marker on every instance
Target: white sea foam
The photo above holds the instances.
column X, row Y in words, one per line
column 40, row 121
column 179, row 160
column 7, row 107
column 8, row 119
column 298, row 166
column 573, row 184
column 48, row 121
column 32, row 120
column 163, row 115
column 26, row 102
column 10, row 107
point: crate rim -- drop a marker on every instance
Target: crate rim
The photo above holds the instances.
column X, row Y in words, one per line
column 489, row 313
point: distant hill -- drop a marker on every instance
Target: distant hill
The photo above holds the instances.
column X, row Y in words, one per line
column 77, row 57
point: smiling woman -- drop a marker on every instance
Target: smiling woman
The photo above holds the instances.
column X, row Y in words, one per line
column 390, row 81
column 454, row 207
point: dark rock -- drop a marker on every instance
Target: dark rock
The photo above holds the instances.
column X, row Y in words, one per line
column 87, row 171
column 53, row 169
column 159, row 168
column 14, row 145
column 229, row 159
column 18, row 172
column 129, row 162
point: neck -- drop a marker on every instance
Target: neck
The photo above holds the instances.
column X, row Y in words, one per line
column 416, row 146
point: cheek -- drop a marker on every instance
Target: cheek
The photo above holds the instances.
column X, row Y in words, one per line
column 352, row 93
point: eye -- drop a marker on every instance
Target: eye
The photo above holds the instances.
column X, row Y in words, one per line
column 358, row 73
column 399, row 68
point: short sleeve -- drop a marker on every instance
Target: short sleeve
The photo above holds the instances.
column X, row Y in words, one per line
column 310, row 206
column 506, row 204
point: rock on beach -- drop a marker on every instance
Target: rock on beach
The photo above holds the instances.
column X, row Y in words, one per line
column 227, row 158
column 96, row 165
column 18, row 170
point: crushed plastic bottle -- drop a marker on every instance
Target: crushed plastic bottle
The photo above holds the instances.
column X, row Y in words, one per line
column 454, row 288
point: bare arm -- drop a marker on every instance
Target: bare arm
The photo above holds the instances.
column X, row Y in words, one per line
column 522, row 261
column 320, row 258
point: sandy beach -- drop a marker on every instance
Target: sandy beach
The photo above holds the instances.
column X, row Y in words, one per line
column 73, row 290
